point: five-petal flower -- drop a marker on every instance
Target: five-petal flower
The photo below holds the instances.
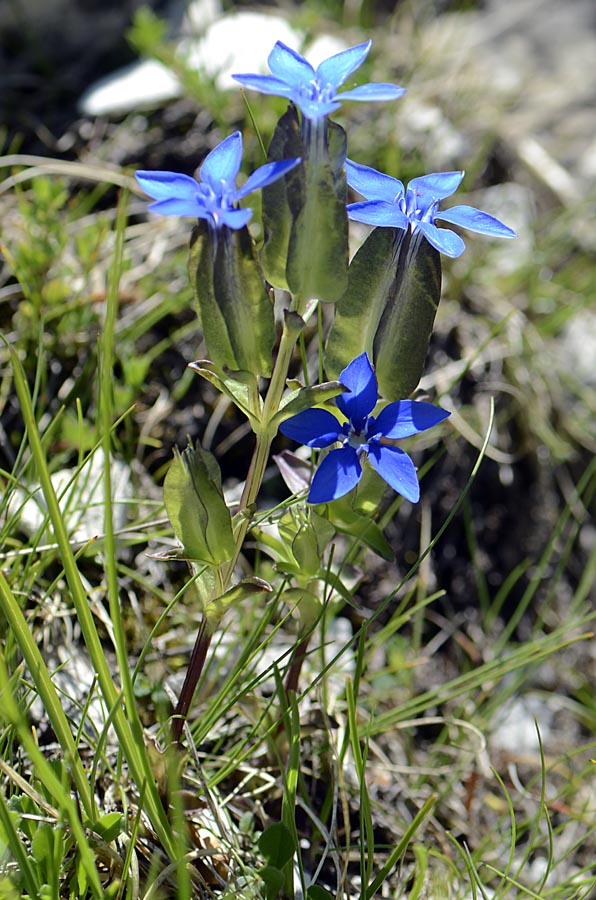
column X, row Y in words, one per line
column 315, row 91
column 215, row 197
column 389, row 205
column 362, row 435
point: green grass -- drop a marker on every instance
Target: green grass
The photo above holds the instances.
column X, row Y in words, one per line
column 387, row 779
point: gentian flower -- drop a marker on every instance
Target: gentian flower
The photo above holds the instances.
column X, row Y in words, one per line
column 315, row 92
column 362, row 436
column 215, row 197
column 390, row 206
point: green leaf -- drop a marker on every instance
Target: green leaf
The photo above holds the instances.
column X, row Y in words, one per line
column 304, row 215
column 196, row 507
column 273, row 880
column 240, row 387
column 109, row 826
column 277, row 845
column 388, row 310
column 247, row 587
column 44, row 843
column 305, row 398
column 404, row 332
column 371, row 277
column 316, row 892
column 318, row 250
column 235, row 308
column 348, row 521
column 286, row 143
column 305, row 550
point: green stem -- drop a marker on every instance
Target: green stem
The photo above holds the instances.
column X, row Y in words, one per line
column 248, row 499
column 265, row 437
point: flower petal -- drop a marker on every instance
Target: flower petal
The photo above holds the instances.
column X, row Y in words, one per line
column 336, row 69
column 265, row 175
column 266, row 84
column 475, row 220
column 165, row 185
column 438, row 184
column 233, row 218
column 289, row 66
column 176, row 206
column 223, row 163
column 396, row 468
column 315, row 109
column 375, row 91
column 312, row 427
column 372, row 184
column 378, row 212
column 339, row 472
column 444, row 240
column 404, row 418
column 359, row 378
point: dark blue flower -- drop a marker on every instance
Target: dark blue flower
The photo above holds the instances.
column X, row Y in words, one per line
column 390, row 206
column 215, row 197
column 362, row 436
column 315, row 92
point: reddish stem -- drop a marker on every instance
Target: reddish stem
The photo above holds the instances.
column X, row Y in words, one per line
column 191, row 679
column 295, row 667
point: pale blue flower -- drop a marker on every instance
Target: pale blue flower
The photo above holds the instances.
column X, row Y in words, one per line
column 315, row 91
column 389, row 205
column 362, row 436
column 215, row 196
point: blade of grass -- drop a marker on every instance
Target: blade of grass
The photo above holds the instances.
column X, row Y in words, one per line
column 401, row 848
column 135, row 755
column 47, row 692
column 52, row 783
column 105, row 420
column 291, row 776
column 367, row 834
column 18, row 850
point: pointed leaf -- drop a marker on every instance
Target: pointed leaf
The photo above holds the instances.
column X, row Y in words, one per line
column 235, row 309
column 348, row 521
column 215, row 609
column 276, row 844
column 317, row 263
column 239, row 386
column 305, row 398
column 286, row 143
column 370, row 283
column 196, row 507
column 403, row 334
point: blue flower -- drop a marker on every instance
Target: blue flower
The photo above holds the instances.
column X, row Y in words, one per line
column 215, row 197
column 362, row 435
column 315, row 92
column 390, row 206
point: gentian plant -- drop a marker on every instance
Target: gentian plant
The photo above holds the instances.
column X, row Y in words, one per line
column 382, row 304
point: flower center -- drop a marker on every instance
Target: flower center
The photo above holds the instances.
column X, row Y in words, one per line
column 320, row 92
column 418, row 208
column 357, row 440
column 215, row 197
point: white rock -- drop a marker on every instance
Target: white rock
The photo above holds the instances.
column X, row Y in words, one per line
column 514, row 727
column 238, row 42
column 81, row 499
column 142, row 84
